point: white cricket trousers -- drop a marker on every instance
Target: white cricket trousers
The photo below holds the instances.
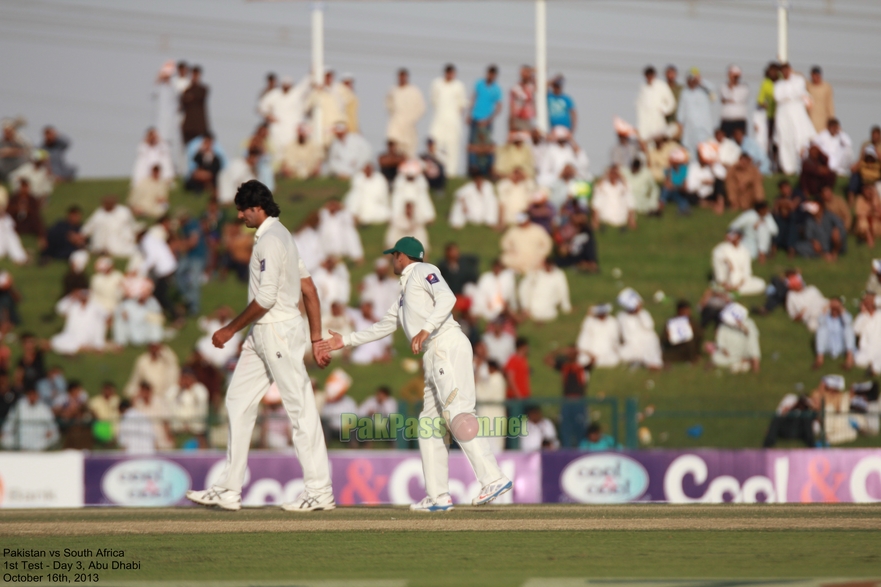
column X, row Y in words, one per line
column 449, row 367
column 274, row 352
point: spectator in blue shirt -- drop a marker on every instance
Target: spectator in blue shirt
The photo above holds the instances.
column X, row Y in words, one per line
column 561, row 108
column 674, row 181
column 485, row 106
column 192, row 262
column 835, row 335
column 596, row 440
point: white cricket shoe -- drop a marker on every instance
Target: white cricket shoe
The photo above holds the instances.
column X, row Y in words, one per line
column 225, row 499
column 443, row 503
column 492, row 491
column 310, row 503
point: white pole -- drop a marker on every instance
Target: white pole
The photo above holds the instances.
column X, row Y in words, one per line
column 541, row 65
column 317, row 66
column 782, row 31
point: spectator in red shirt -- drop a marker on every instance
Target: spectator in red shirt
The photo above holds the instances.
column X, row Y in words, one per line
column 517, row 371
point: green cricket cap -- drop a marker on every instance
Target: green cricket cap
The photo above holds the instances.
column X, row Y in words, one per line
column 408, row 246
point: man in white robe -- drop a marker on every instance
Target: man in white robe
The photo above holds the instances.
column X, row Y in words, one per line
column 407, row 223
column 284, row 110
column 405, row 106
column 793, row 129
column 500, row 344
column 732, row 266
column 138, row 320
column 559, row 153
column 372, row 352
column 737, row 341
column 805, row 303
column 613, row 202
column 328, row 100
column 339, row 236
column 218, row 357
column 411, row 186
column 449, row 98
column 105, row 286
column 867, row 327
column 348, row 153
column 495, row 293
column 149, row 197
column 368, row 198
column 654, row 103
column 515, row 194
column 599, row 341
column 10, row 242
column 36, row 172
column 308, row 242
column 151, row 152
column 333, row 284
column 759, row 229
column 380, row 289
column 544, row 292
column 166, row 101
column 640, row 343
column 85, row 324
column 158, row 366
column 303, row 157
column 111, row 229
column 837, row 146
column 475, row 203
column 695, row 113
column 232, row 176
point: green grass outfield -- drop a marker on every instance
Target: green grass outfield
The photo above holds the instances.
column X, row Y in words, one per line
column 503, row 545
column 671, row 254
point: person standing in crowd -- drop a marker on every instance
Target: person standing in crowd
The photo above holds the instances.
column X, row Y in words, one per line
column 735, row 102
column 653, row 104
column 194, row 105
column 672, row 75
column 765, row 101
column 822, row 101
column 486, row 104
column 561, row 107
column 793, row 127
column 521, row 102
column 449, row 98
column 166, row 104
column 406, row 106
column 695, row 112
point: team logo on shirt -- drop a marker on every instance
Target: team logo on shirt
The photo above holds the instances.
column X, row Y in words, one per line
column 432, row 278
column 262, row 264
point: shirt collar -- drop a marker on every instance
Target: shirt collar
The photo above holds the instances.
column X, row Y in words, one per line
column 405, row 274
column 266, row 225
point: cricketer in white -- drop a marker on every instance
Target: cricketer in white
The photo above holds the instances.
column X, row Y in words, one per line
column 424, row 312
column 273, row 351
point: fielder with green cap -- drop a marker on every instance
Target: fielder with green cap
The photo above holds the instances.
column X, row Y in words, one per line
column 424, row 312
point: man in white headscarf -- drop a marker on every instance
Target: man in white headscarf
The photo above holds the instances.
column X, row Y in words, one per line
column 653, row 104
column 837, row 146
column 410, row 185
column 339, row 237
column 793, row 129
column 732, row 266
column 112, row 229
column 525, row 246
column 737, row 341
column 348, row 153
column 368, row 197
column 805, row 303
column 406, row 106
column 544, row 292
column 105, row 286
column 561, row 151
column 138, row 320
column 449, row 98
column 867, row 328
column 85, row 324
column 599, row 341
column 695, row 113
column 283, row 108
column 640, row 343
column 495, row 293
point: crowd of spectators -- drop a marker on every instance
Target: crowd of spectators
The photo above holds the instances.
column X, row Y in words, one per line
column 136, row 269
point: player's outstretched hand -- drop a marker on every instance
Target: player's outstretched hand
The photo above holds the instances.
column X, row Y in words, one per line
column 418, row 341
column 321, row 353
column 335, row 342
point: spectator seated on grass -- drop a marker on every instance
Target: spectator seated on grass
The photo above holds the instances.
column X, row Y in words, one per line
column 682, row 336
column 10, row 241
column 368, row 199
column 106, row 284
column 789, row 217
column 867, row 328
column 475, row 203
column 36, row 172
column 545, row 292
column 866, row 171
column 824, row 234
column 149, row 197
column 515, row 154
column 732, row 266
column 595, row 440
column 873, row 283
column 867, row 215
column 599, row 341
column 832, row 400
column 158, row 367
column 744, row 184
column 30, row 424
column 155, row 408
column 864, row 400
column 759, row 230
column 153, row 152
column 837, row 206
column 646, row 191
column 490, row 389
column 303, row 157
column 574, row 379
column 674, row 181
column 85, row 324
column 337, row 403
column 205, row 160
column 500, row 344
column 515, row 193
column 613, row 202
column 459, row 271
column 525, row 245
column 795, row 419
column 105, row 407
column 410, row 185
column 187, row 404
column 576, row 244
column 136, row 434
column 349, row 152
column 238, row 243
column 835, row 335
column 407, row 224
column 65, row 236
column 495, row 293
column 74, row 418
column 640, row 345
column 540, row 431
column 737, row 341
column 112, row 230
column 804, row 303
column 815, row 173
column 26, row 211
column 138, row 320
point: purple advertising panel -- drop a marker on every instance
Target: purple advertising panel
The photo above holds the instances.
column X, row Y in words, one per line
column 359, row 477
column 713, row 476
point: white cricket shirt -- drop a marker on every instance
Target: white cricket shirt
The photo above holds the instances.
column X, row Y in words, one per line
column 275, row 272
column 425, row 303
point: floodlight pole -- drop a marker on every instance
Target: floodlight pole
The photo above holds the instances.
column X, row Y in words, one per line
column 541, row 65
column 317, row 66
column 783, row 31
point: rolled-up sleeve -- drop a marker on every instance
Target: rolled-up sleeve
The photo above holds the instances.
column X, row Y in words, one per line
column 271, row 255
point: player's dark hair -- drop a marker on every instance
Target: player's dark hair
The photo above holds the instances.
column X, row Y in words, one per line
column 682, row 304
column 594, row 428
column 253, row 194
column 385, row 389
column 522, row 341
